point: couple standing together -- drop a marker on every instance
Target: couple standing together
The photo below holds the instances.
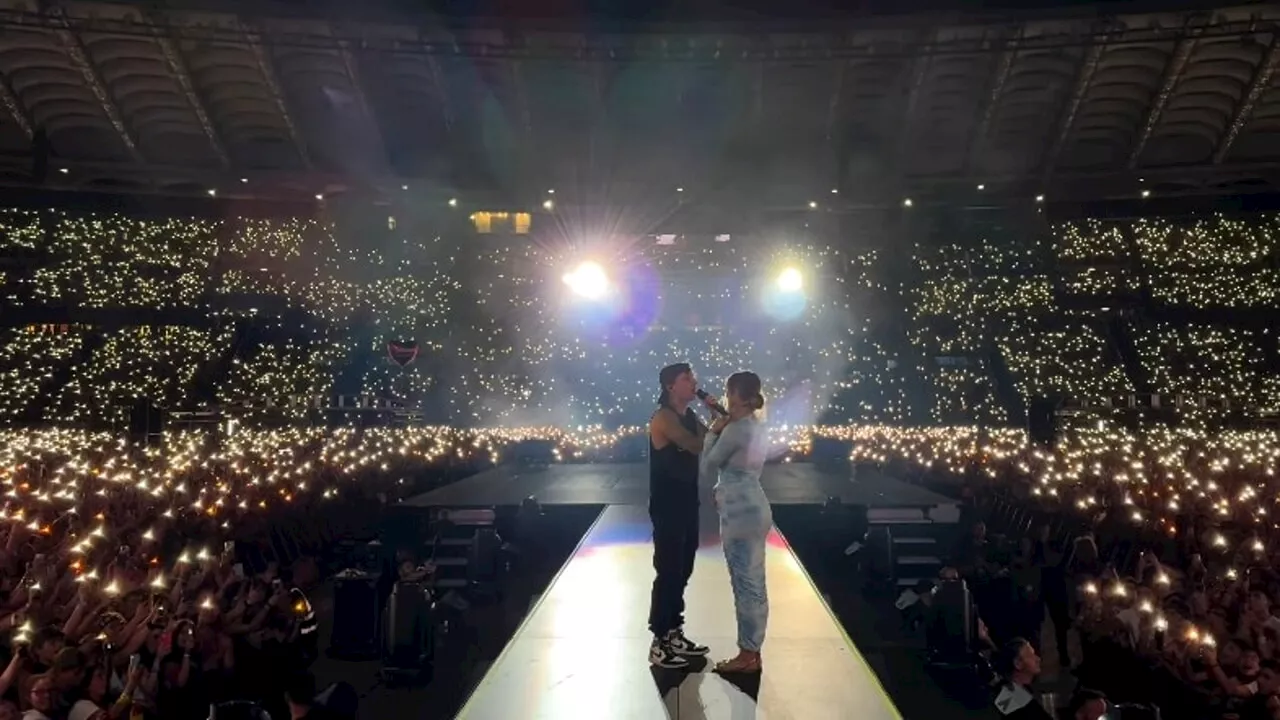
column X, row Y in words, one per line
column 733, row 451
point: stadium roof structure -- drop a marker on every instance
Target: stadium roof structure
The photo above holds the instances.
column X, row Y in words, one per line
column 296, row 101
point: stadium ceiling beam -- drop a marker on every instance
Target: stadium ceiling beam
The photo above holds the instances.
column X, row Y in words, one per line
column 598, row 111
column 297, row 185
column 838, row 147
column 252, row 37
column 1244, row 110
column 1058, row 140
column 14, row 109
column 441, row 89
column 521, row 89
column 178, row 66
column 351, row 66
column 914, row 78
column 757, row 94
column 75, row 49
column 833, row 105
column 1000, row 71
column 1172, row 74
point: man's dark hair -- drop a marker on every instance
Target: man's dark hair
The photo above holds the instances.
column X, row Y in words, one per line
column 668, row 376
column 1082, row 697
column 1008, row 655
column 300, row 689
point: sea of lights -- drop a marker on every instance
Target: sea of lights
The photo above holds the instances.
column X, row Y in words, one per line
column 73, row 484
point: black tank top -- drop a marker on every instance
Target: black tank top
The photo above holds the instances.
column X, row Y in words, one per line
column 673, row 473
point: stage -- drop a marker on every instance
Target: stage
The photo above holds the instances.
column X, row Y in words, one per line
column 583, row 648
column 628, row 484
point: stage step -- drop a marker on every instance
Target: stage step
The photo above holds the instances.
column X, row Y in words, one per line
column 918, row 560
column 919, row 543
column 453, row 549
column 899, row 521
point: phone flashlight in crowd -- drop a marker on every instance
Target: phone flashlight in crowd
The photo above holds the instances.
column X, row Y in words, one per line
column 1091, row 588
column 22, row 636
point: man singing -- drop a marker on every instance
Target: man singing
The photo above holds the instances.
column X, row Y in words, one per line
column 675, row 442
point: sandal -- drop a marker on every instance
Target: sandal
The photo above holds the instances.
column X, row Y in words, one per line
column 739, row 665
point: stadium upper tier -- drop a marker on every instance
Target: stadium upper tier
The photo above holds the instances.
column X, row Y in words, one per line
column 104, row 311
column 315, row 100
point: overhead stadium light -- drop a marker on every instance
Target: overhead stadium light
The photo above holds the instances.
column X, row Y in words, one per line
column 588, row 281
column 790, row 280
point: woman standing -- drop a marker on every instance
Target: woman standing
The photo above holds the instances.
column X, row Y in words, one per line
column 734, row 449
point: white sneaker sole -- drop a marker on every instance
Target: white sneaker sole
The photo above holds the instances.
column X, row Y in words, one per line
column 677, row 663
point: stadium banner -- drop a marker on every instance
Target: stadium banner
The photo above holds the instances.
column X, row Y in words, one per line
column 402, row 353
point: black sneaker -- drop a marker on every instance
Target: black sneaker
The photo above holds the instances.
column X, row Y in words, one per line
column 662, row 655
column 684, row 646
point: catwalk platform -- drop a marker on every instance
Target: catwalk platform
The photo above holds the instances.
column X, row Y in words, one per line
column 628, row 484
column 582, row 651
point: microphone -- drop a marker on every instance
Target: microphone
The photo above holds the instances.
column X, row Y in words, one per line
column 702, row 395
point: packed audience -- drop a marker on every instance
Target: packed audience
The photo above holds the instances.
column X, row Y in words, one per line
column 1139, row 555
column 150, row 581
column 1141, row 562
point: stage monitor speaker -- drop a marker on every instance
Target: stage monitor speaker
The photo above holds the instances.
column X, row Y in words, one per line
column 409, row 640
column 482, row 561
column 533, row 453
column 879, row 552
column 357, row 616
column 529, row 523
column 831, row 452
column 953, row 625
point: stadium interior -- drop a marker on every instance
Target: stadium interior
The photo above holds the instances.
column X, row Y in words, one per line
column 268, row 271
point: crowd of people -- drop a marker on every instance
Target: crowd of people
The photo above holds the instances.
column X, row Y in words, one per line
column 1141, row 563
column 146, row 580
column 123, row 596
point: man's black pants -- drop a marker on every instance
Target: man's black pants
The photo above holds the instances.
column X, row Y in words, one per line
column 675, row 544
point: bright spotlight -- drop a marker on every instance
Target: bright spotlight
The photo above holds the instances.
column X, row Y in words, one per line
column 790, row 280
column 588, row 280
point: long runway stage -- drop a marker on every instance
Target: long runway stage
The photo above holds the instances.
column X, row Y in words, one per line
column 583, row 649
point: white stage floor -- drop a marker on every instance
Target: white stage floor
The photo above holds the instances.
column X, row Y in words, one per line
column 583, row 650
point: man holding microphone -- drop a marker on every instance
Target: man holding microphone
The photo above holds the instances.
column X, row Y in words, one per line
column 675, row 443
